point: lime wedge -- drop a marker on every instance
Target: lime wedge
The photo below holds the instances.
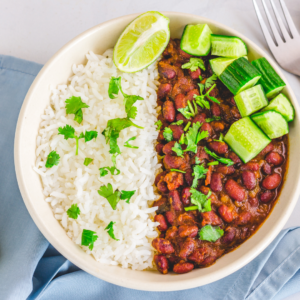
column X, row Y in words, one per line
column 142, row 42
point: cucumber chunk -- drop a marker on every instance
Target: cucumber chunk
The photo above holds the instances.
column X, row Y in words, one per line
column 246, row 139
column 219, row 64
column 240, row 75
column 270, row 80
column 282, row 105
column 251, row 100
column 272, row 123
column 196, row 39
column 227, row 46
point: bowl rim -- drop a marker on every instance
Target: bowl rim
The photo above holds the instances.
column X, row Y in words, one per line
column 126, row 282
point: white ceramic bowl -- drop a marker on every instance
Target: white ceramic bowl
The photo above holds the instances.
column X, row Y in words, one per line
column 57, row 71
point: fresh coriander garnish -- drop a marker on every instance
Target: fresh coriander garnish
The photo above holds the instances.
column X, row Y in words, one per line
column 126, row 144
column 182, row 139
column 158, row 124
column 178, row 150
column 210, row 81
column 74, row 106
column 114, row 86
column 200, row 99
column 189, row 208
column 110, row 230
column 197, row 160
column 69, row 133
column 199, row 173
column 52, row 159
column 190, row 110
column 88, row 238
column 213, row 118
column 213, row 163
column 221, row 138
column 177, row 123
column 194, row 64
column 104, row 170
column 73, row 212
column 226, row 161
column 210, row 233
column 193, row 137
column 168, row 134
column 87, row 161
column 113, row 197
column 201, row 200
column 176, row 170
column 187, row 126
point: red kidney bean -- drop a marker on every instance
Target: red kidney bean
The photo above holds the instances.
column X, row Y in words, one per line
column 187, row 248
column 208, row 260
column 274, row 158
column 163, row 246
column 162, row 235
column 195, row 74
column 198, row 255
column 186, row 196
column 250, row 166
column 180, row 101
column 216, row 182
column 225, row 213
column 180, row 116
column 229, row 235
column 184, row 54
column 166, row 70
column 161, row 263
column 266, row 197
column 218, row 147
column 162, row 222
column 232, row 101
column 183, row 267
column 160, row 176
column 271, row 181
column 190, row 94
column 170, row 216
column 187, row 231
column 171, row 233
column 162, row 187
column 234, row 190
column 266, row 168
column 160, row 201
column 235, row 113
column 163, row 90
column 267, row 149
column 234, row 157
column 175, row 162
column 206, row 127
column 249, row 180
column 189, row 177
column 215, row 109
column 214, row 92
column 243, row 218
column 169, row 111
column 174, row 180
column 199, row 118
column 211, row 218
column 159, row 148
column 218, row 126
column 225, row 170
column 161, row 137
column 253, row 202
column 177, row 131
column 201, row 154
column 175, row 201
column 167, row 148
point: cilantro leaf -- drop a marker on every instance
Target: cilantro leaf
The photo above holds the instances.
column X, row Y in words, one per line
column 112, row 197
column 213, row 99
column 74, row 106
column 129, row 100
column 68, row 132
column 187, row 126
column 201, row 200
column 73, row 212
column 201, row 101
column 210, row 233
column 52, row 159
column 194, row 64
column 126, row 144
column 158, row 124
column 197, row 160
column 168, row 134
column 104, row 170
column 87, row 161
column 177, row 123
column 186, row 112
column 191, row 138
column 126, row 195
column 88, row 238
column 213, row 163
column 114, row 87
column 89, row 135
column 199, row 173
column 221, row 138
column 202, row 135
column 210, row 81
column 177, row 149
column 182, row 139
column 110, row 230
column 213, row 118
column 176, row 170
column 226, row 161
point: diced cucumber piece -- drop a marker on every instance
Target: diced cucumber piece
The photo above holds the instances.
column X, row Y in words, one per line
column 272, row 123
column 251, row 100
column 240, row 75
column 282, row 105
column 270, row 80
column 246, row 139
column 227, row 46
column 196, row 39
column 219, row 64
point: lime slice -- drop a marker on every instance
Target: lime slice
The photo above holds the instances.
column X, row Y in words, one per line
column 142, row 42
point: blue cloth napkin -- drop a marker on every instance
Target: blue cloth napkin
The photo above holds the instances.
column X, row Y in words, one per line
column 30, row 268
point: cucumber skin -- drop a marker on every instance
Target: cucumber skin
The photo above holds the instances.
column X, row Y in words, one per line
column 238, row 74
column 182, row 47
column 269, row 80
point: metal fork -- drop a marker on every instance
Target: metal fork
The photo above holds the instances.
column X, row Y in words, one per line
column 286, row 50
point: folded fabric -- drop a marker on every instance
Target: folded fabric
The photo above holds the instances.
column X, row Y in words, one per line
column 30, row 268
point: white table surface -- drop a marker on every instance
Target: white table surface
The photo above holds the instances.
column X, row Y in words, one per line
column 36, row 29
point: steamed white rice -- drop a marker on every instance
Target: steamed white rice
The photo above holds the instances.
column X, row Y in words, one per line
column 71, row 182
